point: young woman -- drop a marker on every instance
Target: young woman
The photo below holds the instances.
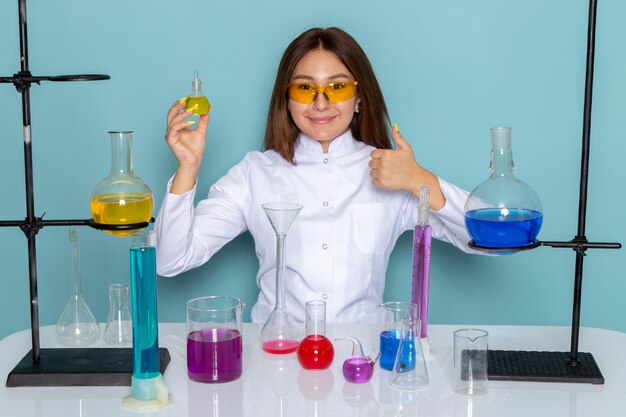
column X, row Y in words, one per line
column 327, row 148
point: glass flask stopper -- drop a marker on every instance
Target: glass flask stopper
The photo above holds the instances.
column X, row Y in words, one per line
column 121, row 198
column 118, row 330
column 316, row 351
column 280, row 333
column 196, row 101
column 503, row 212
column 77, row 325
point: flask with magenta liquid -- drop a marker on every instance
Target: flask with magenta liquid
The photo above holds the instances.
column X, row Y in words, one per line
column 503, row 212
column 280, row 333
column 358, row 368
column 316, row 351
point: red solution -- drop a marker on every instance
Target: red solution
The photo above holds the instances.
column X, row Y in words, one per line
column 315, row 352
column 280, row 346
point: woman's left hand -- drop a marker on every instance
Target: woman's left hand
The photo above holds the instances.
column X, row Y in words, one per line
column 397, row 169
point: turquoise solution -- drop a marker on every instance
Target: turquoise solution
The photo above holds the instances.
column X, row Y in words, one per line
column 494, row 228
column 144, row 312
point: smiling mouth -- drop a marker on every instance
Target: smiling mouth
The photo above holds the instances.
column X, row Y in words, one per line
column 322, row 120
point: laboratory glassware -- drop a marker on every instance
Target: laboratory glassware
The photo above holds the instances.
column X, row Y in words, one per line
column 146, row 382
column 118, row 330
column 280, row 333
column 315, row 351
column 358, row 368
column 503, row 212
column 422, row 237
column 392, row 313
column 214, row 338
column 121, row 198
column 196, row 101
column 77, row 325
column 409, row 370
column 470, row 362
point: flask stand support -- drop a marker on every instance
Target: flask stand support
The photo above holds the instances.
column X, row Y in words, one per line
column 572, row 366
column 62, row 366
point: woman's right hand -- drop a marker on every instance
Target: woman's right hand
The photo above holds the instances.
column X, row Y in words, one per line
column 186, row 145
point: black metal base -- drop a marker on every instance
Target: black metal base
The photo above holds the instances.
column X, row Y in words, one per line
column 510, row 365
column 78, row 367
column 503, row 251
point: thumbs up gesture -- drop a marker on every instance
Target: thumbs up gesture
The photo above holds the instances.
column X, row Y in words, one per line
column 397, row 169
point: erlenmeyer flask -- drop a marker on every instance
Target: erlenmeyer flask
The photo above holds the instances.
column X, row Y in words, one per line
column 77, row 326
column 503, row 212
column 118, row 331
column 122, row 197
column 280, row 334
column 409, row 370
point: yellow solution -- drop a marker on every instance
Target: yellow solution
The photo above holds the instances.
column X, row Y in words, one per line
column 199, row 104
column 121, row 209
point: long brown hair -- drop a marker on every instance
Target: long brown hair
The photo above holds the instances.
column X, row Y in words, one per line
column 370, row 125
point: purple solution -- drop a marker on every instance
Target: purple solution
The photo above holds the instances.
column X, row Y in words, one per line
column 358, row 369
column 491, row 228
column 214, row 355
column 422, row 238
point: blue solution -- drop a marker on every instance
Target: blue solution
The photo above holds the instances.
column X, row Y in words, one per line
column 503, row 228
column 144, row 312
column 389, row 344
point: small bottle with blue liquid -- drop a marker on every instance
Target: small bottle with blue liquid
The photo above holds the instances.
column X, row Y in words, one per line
column 503, row 213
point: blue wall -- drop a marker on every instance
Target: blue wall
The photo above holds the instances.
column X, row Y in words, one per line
column 450, row 70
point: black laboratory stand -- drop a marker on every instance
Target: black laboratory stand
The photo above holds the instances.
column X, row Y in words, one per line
column 570, row 366
column 65, row 366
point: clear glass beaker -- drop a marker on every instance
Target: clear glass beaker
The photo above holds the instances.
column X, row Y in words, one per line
column 392, row 313
column 118, row 330
column 409, row 370
column 503, row 211
column 122, row 197
column 77, row 325
column 470, row 367
column 280, row 333
column 214, row 340
column 315, row 351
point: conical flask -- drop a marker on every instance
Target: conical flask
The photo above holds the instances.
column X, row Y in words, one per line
column 122, row 197
column 280, row 334
column 77, row 325
column 409, row 370
column 119, row 327
column 503, row 212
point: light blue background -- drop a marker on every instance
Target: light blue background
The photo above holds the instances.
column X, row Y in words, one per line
column 450, row 70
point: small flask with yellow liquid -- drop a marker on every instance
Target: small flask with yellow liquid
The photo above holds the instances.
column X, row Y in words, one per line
column 196, row 101
column 121, row 198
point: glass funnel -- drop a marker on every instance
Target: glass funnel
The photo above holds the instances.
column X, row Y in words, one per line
column 503, row 212
column 121, row 198
column 77, row 325
column 280, row 334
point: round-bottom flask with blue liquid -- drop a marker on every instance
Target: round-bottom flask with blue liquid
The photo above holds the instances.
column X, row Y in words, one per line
column 503, row 212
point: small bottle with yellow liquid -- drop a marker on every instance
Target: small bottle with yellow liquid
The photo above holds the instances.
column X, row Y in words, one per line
column 121, row 198
column 196, row 101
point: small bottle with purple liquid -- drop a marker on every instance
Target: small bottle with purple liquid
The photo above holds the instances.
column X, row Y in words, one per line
column 358, row 368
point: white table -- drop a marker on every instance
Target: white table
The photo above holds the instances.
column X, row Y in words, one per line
column 275, row 385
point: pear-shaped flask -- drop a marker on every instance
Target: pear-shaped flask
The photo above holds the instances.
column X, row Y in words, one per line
column 77, row 325
column 196, row 101
column 121, row 198
column 503, row 213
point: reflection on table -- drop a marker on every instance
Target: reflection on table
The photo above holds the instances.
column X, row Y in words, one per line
column 276, row 385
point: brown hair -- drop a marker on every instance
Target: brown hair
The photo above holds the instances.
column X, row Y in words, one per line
column 370, row 125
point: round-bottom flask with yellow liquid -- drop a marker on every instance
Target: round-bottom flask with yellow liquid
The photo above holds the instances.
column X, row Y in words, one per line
column 121, row 198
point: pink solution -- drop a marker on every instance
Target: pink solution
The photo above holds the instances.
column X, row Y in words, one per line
column 214, row 355
column 280, row 346
column 358, row 369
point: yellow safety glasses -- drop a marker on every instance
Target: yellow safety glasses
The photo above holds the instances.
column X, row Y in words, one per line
column 333, row 92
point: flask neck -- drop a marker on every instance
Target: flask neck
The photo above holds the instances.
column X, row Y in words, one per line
column 501, row 162
column 315, row 317
column 121, row 153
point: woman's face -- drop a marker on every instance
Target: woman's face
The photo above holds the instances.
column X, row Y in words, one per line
column 321, row 120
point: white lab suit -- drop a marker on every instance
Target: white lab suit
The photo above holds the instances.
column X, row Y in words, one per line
column 338, row 246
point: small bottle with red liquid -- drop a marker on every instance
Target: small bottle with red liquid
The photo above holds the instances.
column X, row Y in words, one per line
column 315, row 351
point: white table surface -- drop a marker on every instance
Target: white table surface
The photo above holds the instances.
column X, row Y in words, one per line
column 276, row 385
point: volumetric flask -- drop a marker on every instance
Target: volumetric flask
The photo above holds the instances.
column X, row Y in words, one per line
column 391, row 315
column 409, row 370
column 214, row 341
column 503, row 212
